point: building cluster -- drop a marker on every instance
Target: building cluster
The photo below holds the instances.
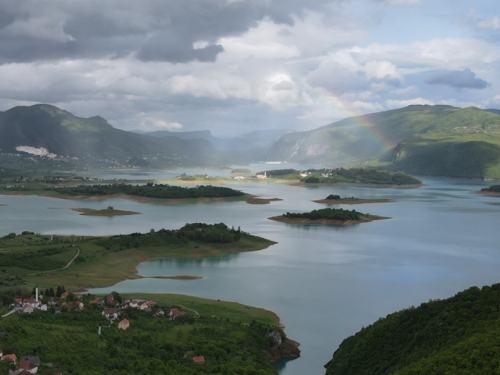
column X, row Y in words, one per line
column 24, row 365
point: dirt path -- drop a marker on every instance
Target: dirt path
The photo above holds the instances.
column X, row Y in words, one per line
column 59, row 269
column 187, row 308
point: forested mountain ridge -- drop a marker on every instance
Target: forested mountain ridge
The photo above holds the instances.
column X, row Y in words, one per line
column 458, row 335
column 63, row 134
column 419, row 139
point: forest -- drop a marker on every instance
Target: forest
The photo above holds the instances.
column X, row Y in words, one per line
column 458, row 336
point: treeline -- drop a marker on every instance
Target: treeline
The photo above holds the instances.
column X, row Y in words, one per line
column 198, row 232
column 326, row 213
column 150, row 346
column 151, row 190
column 492, row 189
column 456, row 336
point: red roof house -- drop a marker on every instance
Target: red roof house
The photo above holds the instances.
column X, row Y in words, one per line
column 199, row 360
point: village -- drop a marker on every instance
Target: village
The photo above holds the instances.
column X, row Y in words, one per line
column 112, row 307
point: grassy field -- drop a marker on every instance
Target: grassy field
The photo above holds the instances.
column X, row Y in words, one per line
column 207, row 307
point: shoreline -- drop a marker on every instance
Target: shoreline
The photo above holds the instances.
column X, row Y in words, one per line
column 488, row 193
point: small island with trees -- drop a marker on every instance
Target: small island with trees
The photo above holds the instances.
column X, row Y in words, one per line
column 109, row 211
column 327, row 216
column 336, row 199
column 492, row 190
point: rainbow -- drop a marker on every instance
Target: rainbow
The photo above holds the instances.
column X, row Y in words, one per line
column 360, row 121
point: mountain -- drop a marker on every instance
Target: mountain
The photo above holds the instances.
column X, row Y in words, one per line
column 243, row 149
column 458, row 335
column 419, row 139
column 93, row 139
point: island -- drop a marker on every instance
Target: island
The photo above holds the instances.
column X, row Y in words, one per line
column 457, row 335
column 149, row 192
column 327, row 216
column 492, row 190
column 110, row 211
column 255, row 200
column 64, row 326
column 336, row 199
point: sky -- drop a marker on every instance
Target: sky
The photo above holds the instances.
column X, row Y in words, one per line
column 235, row 66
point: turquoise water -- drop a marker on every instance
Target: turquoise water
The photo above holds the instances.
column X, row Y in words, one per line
column 324, row 282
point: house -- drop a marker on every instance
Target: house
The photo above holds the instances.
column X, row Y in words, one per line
column 28, row 309
column 28, row 366
column 18, row 301
column 9, row 357
column 110, row 313
column 174, row 313
column 134, row 303
column 79, row 305
column 64, row 295
column 124, row 324
column 200, row 360
column 30, row 301
column 160, row 312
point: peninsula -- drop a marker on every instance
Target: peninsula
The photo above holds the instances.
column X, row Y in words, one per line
column 369, row 177
column 327, row 216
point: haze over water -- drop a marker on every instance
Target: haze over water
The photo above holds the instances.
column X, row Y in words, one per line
column 324, row 282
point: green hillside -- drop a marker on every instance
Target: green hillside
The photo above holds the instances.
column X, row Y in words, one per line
column 419, row 139
column 92, row 140
column 456, row 336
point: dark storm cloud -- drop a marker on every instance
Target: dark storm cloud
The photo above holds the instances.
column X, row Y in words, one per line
column 459, row 79
column 159, row 30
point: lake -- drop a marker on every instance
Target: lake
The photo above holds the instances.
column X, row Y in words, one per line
column 324, row 282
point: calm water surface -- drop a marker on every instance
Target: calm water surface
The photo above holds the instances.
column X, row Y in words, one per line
column 325, row 283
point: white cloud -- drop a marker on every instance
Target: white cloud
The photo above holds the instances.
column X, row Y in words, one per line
column 219, row 86
column 492, row 23
column 164, row 125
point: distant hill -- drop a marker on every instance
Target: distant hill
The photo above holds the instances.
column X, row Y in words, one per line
column 457, row 336
column 247, row 141
column 93, row 139
column 418, row 139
